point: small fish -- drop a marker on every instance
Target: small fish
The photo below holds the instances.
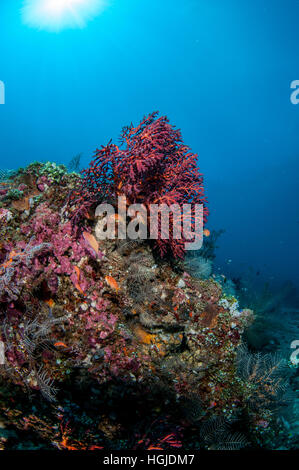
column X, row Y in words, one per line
column 11, row 257
column 50, row 302
column 78, row 272
column 60, row 344
column 206, row 232
column 76, row 284
column 79, row 289
column 87, row 215
column 90, row 239
column 112, row 282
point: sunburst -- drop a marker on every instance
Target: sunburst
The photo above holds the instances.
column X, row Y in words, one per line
column 55, row 15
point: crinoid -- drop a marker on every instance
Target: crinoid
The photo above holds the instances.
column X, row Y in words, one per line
column 266, row 375
column 45, row 383
column 216, row 434
column 36, row 335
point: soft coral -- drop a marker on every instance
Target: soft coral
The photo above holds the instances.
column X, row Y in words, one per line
column 153, row 166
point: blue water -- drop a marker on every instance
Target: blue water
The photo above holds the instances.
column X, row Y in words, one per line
column 220, row 69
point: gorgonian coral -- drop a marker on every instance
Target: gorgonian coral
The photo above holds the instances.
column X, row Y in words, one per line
column 151, row 166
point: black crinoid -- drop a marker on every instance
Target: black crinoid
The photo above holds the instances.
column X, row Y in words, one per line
column 216, row 434
column 36, row 335
column 266, row 377
column 36, row 338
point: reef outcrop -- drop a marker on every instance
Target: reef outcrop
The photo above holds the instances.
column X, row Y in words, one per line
column 106, row 344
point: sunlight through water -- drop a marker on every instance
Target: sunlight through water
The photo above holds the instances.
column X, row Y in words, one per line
column 55, row 15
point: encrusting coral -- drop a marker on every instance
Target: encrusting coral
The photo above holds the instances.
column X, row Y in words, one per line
column 109, row 320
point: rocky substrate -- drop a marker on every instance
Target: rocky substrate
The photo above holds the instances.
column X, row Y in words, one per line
column 108, row 346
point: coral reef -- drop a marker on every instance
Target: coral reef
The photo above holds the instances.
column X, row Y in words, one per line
column 106, row 345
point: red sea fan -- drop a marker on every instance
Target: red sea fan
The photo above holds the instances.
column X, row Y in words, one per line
column 151, row 166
